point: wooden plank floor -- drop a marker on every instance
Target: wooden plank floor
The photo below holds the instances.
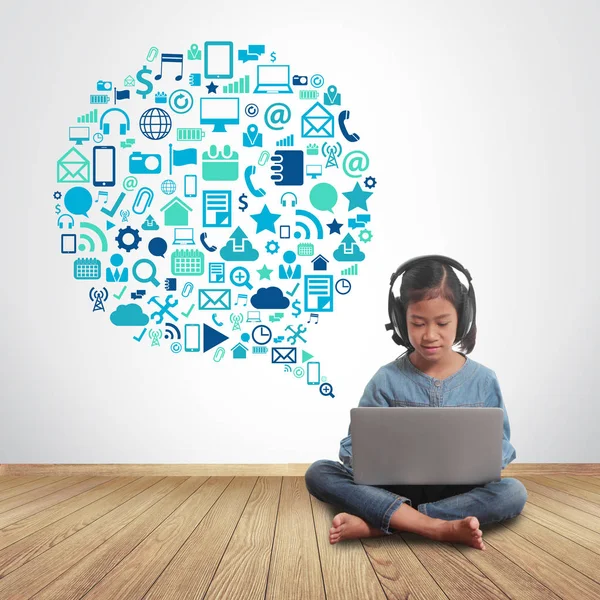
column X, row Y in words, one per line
column 230, row 538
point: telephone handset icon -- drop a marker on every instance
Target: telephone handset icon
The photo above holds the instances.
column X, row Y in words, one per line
column 203, row 241
column 251, row 170
column 351, row 137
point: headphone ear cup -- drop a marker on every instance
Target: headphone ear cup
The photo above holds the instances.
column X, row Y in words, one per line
column 123, row 128
column 106, row 128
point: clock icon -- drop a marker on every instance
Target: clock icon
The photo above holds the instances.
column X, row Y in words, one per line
column 342, row 286
column 261, row 334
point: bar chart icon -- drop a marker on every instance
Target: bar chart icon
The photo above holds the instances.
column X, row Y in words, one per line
column 353, row 270
column 286, row 141
column 241, row 86
column 91, row 117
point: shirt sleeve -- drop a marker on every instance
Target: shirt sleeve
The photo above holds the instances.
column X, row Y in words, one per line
column 495, row 399
column 374, row 394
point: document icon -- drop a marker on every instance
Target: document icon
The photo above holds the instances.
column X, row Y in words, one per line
column 318, row 293
column 216, row 208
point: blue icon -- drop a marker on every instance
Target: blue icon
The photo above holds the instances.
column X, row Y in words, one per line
column 78, row 200
column 113, row 275
column 265, row 220
column 129, row 315
column 238, row 247
column 211, row 337
column 348, row 250
column 358, row 197
column 219, row 112
column 151, row 278
column 144, row 164
column 216, row 208
column 317, row 122
column 283, row 356
column 270, row 297
column 253, row 52
column 214, row 299
column 216, row 272
column 257, row 192
column 318, row 293
column 157, row 246
column 240, row 277
column 252, row 137
column 326, row 389
column 288, row 167
column 288, row 273
column 273, row 79
column 218, row 60
column 195, row 79
column 331, row 96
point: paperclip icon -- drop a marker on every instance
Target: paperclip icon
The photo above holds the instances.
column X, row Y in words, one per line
column 219, row 354
column 152, row 54
column 263, row 158
column 144, row 196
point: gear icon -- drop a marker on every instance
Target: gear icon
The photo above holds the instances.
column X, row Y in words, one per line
column 370, row 182
column 57, row 195
column 131, row 245
column 272, row 247
column 365, row 235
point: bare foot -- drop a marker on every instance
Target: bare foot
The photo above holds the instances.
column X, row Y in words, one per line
column 466, row 531
column 347, row 527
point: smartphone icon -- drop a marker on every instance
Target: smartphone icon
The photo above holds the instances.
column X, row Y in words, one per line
column 104, row 166
column 192, row 337
column 190, row 183
column 313, row 373
column 68, row 242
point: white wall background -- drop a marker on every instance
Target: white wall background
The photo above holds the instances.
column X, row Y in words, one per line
column 481, row 120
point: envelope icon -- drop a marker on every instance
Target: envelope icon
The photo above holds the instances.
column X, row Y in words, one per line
column 283, row 356
column 317, row 122
column 214, row 299
column 73, row 167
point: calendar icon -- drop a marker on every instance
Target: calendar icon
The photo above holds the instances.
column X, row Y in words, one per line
column 187, row 262
column 87, row 268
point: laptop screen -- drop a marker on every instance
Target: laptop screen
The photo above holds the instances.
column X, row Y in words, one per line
column 273, row 74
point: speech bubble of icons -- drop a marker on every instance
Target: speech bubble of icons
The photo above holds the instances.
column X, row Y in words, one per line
column 157, row 246
column 78, row 201
column 323, row 196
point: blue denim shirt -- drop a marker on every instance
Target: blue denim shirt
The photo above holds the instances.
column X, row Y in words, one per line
column 400, row 383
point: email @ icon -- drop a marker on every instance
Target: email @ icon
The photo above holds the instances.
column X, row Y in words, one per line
column 283, row 356
column 214, row 299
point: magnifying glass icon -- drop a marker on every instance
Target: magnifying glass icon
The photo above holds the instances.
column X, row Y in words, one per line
column 240, row 277
column 152, row 278
column 326, row 389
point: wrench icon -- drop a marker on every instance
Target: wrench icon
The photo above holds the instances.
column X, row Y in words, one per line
column 164, row 308
column 300, row 329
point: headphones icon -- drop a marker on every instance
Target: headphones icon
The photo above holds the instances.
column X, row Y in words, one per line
column 123, row 127
column 289, row 196
column 397, row 311
column 69, row 225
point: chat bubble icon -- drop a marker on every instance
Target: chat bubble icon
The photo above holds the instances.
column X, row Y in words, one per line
column 157, row 246
column 78, row 201
column 243, row 55
column 256, row 49
column 323, row 196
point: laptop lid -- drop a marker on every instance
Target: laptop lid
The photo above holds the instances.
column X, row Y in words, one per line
column 184, row 234
column 273, row 75
column 440, row 445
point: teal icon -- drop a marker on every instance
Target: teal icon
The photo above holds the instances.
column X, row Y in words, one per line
column 358, row 197
column 149, row 224
column 87, row 268
column 265, row 220
column 89, row 240
column 348, row 251
column 129, row 315
column 194, row 53
column 323, row 196
column 332, row 97
column 252, row 138
column 220, row 165
column 238, row 247
column 176, row 212
column 73, row 167
column 114, row 275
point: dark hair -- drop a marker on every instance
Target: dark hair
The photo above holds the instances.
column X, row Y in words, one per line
column 434, row 279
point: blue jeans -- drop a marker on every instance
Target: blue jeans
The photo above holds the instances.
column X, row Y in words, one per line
column 333, row 482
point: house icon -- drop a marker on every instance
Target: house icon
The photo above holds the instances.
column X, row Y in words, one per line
column 320, row 263
column 176, row 212
column 239, row 351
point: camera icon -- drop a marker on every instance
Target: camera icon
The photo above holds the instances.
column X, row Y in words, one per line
column 103, row 86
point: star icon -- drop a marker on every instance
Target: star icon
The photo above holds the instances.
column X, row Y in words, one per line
column 357, row 197
column 265, row 220
column 264, row 272
column 212, row 88
column 334, row 227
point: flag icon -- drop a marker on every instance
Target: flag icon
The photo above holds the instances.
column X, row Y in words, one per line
column 178, row 158
column 121, row 95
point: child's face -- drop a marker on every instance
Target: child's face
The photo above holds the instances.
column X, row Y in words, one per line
column 436, row 327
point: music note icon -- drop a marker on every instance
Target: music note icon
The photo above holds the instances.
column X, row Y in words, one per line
column 244, row 298
column 313, row 315
column 170, row 58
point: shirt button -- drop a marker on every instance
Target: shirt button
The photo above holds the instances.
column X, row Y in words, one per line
column 438, row 383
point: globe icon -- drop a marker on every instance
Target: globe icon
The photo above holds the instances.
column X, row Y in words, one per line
column 155, row 123
column 168, row 187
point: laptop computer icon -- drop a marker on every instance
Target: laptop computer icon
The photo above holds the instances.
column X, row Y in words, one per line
column 253, row 316
column 184, row 235
column 273, row 79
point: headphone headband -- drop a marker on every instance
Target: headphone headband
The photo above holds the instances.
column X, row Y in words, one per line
column 396, row 311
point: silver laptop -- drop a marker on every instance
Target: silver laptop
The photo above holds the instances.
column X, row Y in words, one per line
column 440, row 445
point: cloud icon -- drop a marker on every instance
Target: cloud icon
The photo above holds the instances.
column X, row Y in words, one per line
column 129, row 315
column 240, row 240
column 270, row 297
column 348, row 251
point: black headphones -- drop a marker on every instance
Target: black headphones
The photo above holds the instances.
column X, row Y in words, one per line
column 397, row 311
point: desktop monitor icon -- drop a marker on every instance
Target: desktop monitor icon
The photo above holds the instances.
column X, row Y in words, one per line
column 79, row 135
column 219, row 112
column 314, row 171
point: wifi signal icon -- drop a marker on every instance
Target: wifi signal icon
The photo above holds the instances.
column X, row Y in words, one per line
column 287, row 369
column 171, row 330
column 90, row 240
column 313, row 219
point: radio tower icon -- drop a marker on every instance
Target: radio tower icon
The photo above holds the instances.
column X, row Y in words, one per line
column 98, row 297
column 332, row 153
